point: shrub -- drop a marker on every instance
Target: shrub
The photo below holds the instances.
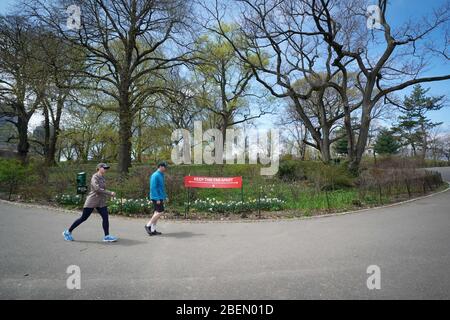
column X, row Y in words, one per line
column 395, row 175
column 323, row 176
column 13, row 174
column 64, row 181
column 38, row 185
column 69, row 199
column 133, row 187
column 213, row 205
column 132, row 206
column 244, row 170
column 294, row 170
column 330, row 177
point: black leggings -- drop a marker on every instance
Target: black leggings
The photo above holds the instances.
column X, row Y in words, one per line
column 87, row 212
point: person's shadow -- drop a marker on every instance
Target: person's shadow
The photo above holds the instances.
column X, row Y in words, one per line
column 121, row 242
column 183, row 234
column 124, row 242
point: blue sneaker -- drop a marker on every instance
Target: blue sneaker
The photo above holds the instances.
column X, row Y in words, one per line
column 110, row 238
column 67, row 235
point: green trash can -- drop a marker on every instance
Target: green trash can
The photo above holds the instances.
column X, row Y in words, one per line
column 81, row 183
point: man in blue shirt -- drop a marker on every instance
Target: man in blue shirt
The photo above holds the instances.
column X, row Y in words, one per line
column 157, row 195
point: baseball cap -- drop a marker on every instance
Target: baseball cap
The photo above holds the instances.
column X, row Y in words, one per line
column 103, row 165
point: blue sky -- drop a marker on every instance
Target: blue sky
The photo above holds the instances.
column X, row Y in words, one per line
column 6, row 5
column 403, row 10
column 400, row 11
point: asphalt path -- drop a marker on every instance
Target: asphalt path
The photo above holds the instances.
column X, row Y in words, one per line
column 318, row 258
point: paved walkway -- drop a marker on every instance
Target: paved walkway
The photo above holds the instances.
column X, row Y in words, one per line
column 316, row 258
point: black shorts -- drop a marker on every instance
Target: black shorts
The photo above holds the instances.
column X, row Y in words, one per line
column 158, row 207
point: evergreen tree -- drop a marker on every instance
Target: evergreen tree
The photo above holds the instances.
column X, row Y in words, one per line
column 386, row 143
column 413, row 126
column 341, row 146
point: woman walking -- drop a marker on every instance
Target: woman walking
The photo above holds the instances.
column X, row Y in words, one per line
column 95, row 199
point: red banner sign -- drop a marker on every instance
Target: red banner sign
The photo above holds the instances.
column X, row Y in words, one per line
column 212, row 182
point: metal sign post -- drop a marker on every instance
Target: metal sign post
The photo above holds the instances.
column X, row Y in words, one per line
column 186, row 208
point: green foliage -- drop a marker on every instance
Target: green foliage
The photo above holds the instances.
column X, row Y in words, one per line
column 333, row 177
column 130, row 206
column 307, row 187
column 244, row 170
column 135, row 186
column 323, row 176
column 386, row 143
column 309, row 201
column 223, row 80
column 413, row 126
column 13, row 174
column 259, row 60
column 69, row 199
column 291, row 170
column 341, row 146
column 435, row 163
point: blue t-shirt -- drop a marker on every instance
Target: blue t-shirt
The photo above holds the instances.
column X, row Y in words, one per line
column 157, row 188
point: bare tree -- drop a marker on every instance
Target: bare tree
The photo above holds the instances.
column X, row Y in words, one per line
column 23, row 79
column 224, row 84
column 444, row 147
column 180, row 109
column 280, row 59
column 125, row 42
column 298, row 135
column 296, row 39
column 62, row 62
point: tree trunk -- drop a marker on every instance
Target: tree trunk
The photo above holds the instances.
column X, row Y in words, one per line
column 125, row 114
column 223, row 129
column 413, row 146
column 325, row 151
column 424, row 142
column 23, row 145
column 125, row 134
column 350, row 135
column 302, row 151
column 362, row 140
column 51, row 155
column 59, row 154
column 139, row 138
column 302, row 144
column 325, row 145
column 46, row 135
